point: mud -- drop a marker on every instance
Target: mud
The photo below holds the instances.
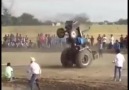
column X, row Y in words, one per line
column 56, row 84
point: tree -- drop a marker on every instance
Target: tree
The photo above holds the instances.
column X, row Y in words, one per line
column 6, row 13
column 6, row 17
column 26, row 19
column 122, row 21
column 15, row 20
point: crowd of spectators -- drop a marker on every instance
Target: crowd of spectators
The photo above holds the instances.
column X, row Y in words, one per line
column 51, row 41
column 42, row 41
column 16, row 41
column 112, row 43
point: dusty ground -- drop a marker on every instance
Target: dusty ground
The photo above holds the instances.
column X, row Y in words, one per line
column 98, row 76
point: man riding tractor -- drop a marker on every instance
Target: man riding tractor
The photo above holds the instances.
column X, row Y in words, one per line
column 77, row 53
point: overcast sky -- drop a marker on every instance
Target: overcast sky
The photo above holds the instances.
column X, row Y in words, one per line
column 97, row 10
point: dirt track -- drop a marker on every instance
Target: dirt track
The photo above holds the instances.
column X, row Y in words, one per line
column 98, row 76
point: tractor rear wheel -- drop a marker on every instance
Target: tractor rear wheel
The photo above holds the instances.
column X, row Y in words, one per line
column 65, row 60
column 83, row 58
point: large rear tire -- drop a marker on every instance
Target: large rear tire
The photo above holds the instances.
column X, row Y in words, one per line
column 83, row 58
column 66, row 62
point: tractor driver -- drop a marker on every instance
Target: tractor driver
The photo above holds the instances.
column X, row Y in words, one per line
column 80, row 41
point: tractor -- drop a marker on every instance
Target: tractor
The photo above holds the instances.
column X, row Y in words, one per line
column 77, row 54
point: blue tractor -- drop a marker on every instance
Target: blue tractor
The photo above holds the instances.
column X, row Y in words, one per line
column 77, row 54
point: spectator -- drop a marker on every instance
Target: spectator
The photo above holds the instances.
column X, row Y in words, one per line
column 99, row 38
column 17, row 35
column 49, row 41
column 46, row 40
column 20, row 37
column 117, row 45
column 112, row 41
column 88, row 40
column 26, row 44
column 35, row 72
column 126, row 41
column 60, row 42
column 9, row 72
column 5, row 38
column 30, row 44
column 38, row 41
column 64, row 41
column 92, row 40
column 121, row 41
column 100, row 49
column 54, row 41
column 104, row 39
column 119, row 61
column 26, row 38
column 42, row 40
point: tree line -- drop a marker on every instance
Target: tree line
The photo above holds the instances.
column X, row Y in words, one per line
column 28, row 19
column 119, row 22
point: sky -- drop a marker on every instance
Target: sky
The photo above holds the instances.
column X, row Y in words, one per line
column 96, row 10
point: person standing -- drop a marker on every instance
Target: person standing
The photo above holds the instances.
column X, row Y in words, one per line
column 112, row 40
column 92, row 40
column 88, row 40
column 122, row 42
column 104, row 39
column 119, row 61
column 101, row 49
column 126, row 42
column 35, row 72
column 99, row 38
column 38, row 41
column 49, row 41
column 117, row 45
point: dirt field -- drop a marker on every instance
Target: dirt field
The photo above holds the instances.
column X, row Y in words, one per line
column 98, row 76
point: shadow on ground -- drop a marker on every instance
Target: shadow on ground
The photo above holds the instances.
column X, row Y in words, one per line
column 58, row 67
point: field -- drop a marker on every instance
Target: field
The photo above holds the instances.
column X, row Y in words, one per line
column 98, row 76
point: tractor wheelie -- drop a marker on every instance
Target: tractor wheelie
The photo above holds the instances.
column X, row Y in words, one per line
column 77, row 54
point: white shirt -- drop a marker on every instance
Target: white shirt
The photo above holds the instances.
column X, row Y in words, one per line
column 8, row 71
column 105, row 39
column 112, row 40
column 34, row 68
column 119, row 60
